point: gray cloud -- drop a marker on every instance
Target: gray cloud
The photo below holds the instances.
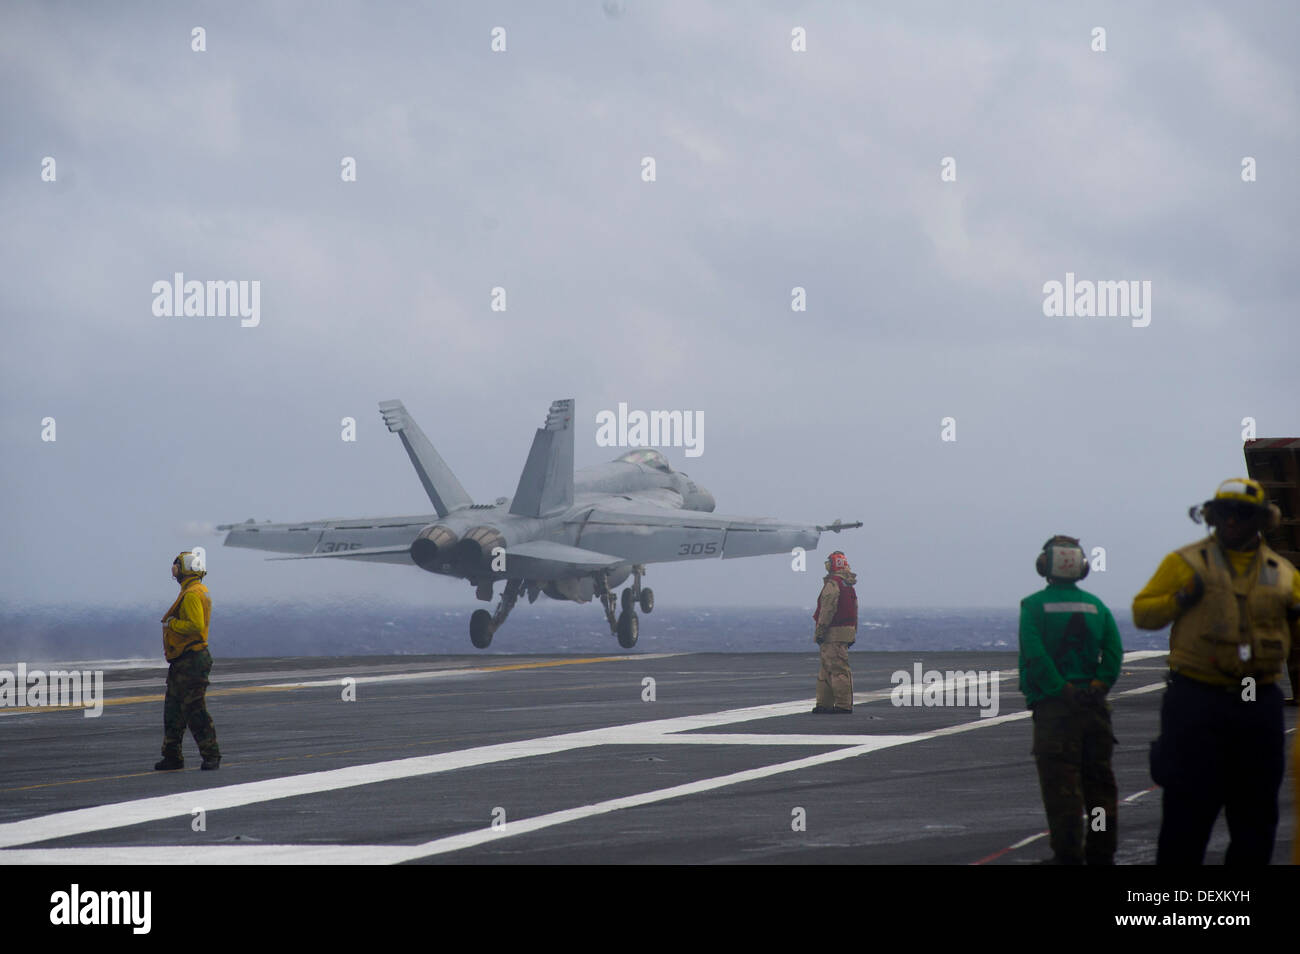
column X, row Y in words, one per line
column 521, row 169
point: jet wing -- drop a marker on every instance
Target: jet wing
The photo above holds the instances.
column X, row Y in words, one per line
column 651, row 535
column 360, row 553
column 375, row 539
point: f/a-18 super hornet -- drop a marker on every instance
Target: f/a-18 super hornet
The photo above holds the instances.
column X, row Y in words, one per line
column 570, row 536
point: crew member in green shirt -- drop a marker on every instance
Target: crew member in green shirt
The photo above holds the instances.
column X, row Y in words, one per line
column 1070, row 656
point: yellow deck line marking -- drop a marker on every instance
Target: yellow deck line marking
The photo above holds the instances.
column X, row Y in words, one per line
column 387, row 677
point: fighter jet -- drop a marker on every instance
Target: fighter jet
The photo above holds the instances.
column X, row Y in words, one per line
column 571, row 536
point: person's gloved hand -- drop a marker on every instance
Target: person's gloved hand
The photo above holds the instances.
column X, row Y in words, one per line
column 1190, row 594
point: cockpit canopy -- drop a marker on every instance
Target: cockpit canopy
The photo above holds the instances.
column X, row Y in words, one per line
column 647, row 456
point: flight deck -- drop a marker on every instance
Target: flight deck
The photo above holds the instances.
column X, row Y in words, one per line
column 618, row 759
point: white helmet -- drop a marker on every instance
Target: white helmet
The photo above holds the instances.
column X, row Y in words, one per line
column 189, row 563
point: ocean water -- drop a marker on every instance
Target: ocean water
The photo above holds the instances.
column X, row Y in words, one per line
column 38, row 635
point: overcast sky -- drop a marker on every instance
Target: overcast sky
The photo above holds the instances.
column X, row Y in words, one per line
column 523, row 169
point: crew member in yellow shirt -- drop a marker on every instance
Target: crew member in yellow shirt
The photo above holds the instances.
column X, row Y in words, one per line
column 1235, row 608
column 185, row 645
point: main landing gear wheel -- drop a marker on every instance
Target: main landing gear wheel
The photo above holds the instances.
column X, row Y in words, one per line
column 627, row 598
column 627, row 629
column 647, row 599
column 480, row 629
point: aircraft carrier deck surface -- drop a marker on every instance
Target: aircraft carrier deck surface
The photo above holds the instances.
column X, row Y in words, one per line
column 616, row 759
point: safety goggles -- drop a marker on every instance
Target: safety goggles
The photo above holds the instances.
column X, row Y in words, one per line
column 1241, row 512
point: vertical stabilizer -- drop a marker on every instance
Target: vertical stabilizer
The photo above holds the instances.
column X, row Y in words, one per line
column 546, row 485
column 440, row 483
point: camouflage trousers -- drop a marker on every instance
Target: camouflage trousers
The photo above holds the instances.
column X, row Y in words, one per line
column 187, row 682
column 1073, row 743
column 835, row 679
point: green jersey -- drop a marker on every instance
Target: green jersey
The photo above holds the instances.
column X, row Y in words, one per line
column 1066, row 635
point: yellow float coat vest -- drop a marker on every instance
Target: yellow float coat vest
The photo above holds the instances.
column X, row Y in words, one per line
column 185, row 624
column 1239, row 627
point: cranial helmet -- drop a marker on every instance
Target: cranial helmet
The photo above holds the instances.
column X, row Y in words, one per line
column 1242, row 490
column 1062, row 558
column 837, row 562
column 1239, row 491
column 189, row 564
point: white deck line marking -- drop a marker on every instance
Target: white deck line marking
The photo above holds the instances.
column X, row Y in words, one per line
column 173, row 855
column 122, row 814
column 1136, row 795
column 789, row 738
column 978, row 723
column 1027, row 841
column 392, row 854
column 470, row 839
column 1129, row 799
column 877, row 695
